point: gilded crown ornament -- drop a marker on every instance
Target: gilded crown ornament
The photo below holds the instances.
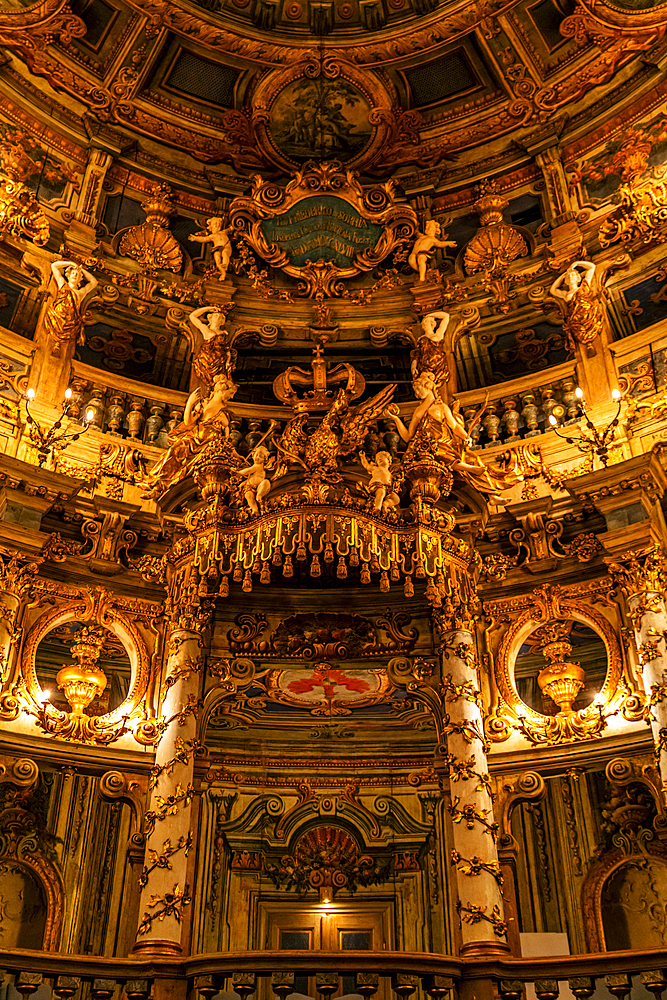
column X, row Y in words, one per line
column 317, row 384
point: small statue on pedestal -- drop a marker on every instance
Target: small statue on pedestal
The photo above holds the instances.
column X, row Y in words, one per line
column 219, row 239
column 256, row 484
column 424, row 246
column 381, row 483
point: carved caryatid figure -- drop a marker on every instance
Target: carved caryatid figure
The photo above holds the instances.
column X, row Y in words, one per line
column 63, row 321
column 429, row 355
column 205, row 419
column 218, row 237
column 581, row 303
column 438, row 432
column 424, row 246
column 216, row 357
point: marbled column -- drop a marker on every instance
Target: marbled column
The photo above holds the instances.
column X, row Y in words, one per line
column 166, row 893
column 475, row 855
column 9, row 607
column 98, row 163
column 649, row 617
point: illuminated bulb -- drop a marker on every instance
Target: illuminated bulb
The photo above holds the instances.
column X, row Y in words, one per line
column 45, row 695
column 599, row 699
column 552, row 420
column 520, row 712
column 616, row 394
column 89, row 415
column 30, row 393
column 68, row 393
column 578, row 393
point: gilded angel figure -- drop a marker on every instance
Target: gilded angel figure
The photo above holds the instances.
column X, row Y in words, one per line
column 205, row 421
column 438, row 431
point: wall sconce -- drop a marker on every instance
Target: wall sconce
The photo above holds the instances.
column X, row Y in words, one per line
column 596, row 442
column 56, row 438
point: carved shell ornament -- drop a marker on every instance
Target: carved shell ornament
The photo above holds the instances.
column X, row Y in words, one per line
column 494, row 248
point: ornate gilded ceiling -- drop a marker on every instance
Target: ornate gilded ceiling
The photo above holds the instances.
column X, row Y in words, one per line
column 380, row 85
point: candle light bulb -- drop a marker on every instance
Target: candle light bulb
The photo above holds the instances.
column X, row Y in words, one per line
column 578, row 393
column 45, row 695
column 68, row 393
column 30, row 393
column 616, row 394
column 89, row 415
column 552, row 420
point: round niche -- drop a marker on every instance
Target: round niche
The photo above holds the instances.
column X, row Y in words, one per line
column 560, row 667
column 84, row 668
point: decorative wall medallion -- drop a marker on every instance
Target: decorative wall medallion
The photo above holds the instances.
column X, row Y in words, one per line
column 323, row 227
column 327, row 690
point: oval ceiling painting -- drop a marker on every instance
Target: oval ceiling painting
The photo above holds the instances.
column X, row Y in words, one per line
column 320, row 119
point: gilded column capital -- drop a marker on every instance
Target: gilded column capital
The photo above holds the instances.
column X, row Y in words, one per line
column 641, row 573
column 17, row 573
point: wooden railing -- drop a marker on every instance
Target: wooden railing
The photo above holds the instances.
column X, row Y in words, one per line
column 139, row 977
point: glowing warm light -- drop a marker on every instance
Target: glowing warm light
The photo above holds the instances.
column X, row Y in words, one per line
column 552, row 420
column 599, row 699
column 68, row 393
column 30, row 393
column 45, row 695
column 89, row 415
column 616, row 394
column 578, row 393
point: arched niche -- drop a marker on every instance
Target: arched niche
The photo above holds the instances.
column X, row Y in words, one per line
column 624, row 901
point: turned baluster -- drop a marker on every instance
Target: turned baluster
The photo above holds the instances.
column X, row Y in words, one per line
column 282, row 983
column 367, row 983
column 64, row 987
column 404, row 983
column 437, row 986
column 655, row 983
column 137, row 989
column 619, row 984
column 583, row 987
column 547, row 989
column 27, row 982
column 244, row 983
column 326, row 983
column 103, row 989
column 511, row 989
column 206, row 986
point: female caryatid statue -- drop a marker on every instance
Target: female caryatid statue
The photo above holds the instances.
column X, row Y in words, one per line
column 429, row 356
column 581, row 303
column 216, row 355
column 63, row 320
column 438, row 432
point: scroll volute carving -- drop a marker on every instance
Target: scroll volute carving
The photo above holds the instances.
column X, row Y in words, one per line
column 527, row 786
column 633, row 811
